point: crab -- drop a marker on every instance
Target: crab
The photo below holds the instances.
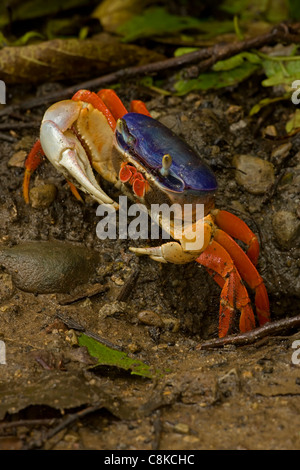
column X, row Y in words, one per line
column 150, row 164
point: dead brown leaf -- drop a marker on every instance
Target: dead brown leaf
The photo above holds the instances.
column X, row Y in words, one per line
column 61, row 59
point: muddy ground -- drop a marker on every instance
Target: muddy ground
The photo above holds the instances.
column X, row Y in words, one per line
column 230, row 398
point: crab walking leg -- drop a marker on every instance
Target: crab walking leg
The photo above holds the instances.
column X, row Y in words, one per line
column 137, row 106
column 184, row 252
column 113, row 102
column 32, row 162
column 171, row 252
column 115, row 105
column 74, row 191
column 216, row 277
column 237, row 228
column 249, row 273
column 233, row 294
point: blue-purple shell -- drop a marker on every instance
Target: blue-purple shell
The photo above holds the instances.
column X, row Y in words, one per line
column 152, row 140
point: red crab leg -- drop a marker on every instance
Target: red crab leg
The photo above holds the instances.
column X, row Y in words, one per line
column 233, row 294
column 93, row 99
column 137, row 106
column 33, row 160
column 115, row 105
column 74, row 191
column 236, row 228
column 113, row 102
column 248, row 272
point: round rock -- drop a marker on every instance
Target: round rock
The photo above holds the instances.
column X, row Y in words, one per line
column 48, row 267
column 42, row 196
column 150, row 318
column 286, row 228
column 253, row 173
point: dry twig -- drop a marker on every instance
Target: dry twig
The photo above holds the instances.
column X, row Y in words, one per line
column 270, row 329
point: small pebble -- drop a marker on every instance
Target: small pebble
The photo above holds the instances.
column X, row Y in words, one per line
column 286, row 228
column 42, row 196
column 18, row 159
column 237, row 126
column 234, row 113
column 270, row 131
column 112, row 308
column 254, row 174
column 71, row 337
column 279, row 154
column 150, row 318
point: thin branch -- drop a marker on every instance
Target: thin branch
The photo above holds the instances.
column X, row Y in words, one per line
column 205, row 58
column 28, row 423
column 270, row 329
column 16, row 126
column 71, row 323
column 67, row 421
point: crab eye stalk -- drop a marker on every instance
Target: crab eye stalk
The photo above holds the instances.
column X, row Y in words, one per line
column 166, row 164
column 123, row 131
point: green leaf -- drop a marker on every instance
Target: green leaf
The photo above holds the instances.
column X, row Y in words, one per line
column 273, row 11
column 281, row 70
column 157, row 22
column 215, row 80
column 29, row 9
column 294, row 122
column 294, row 9
column 22, row 41
column 236, row 61
column 111, row 357
column 184, row 50
column 266, row 101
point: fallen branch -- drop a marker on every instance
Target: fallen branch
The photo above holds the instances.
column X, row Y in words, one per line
column 65, row 422
column 270, row 329
column 205, row 58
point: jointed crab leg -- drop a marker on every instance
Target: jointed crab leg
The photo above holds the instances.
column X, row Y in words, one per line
column 33, row 160
column 236, row 228
column 137, row 106
column 248, row 273
column 113, row 102
column 234, row 294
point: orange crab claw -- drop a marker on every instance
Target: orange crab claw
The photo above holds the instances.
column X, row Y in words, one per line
column 234, row 294
column 248, row 273
column 33, row 160
column 236, row 228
